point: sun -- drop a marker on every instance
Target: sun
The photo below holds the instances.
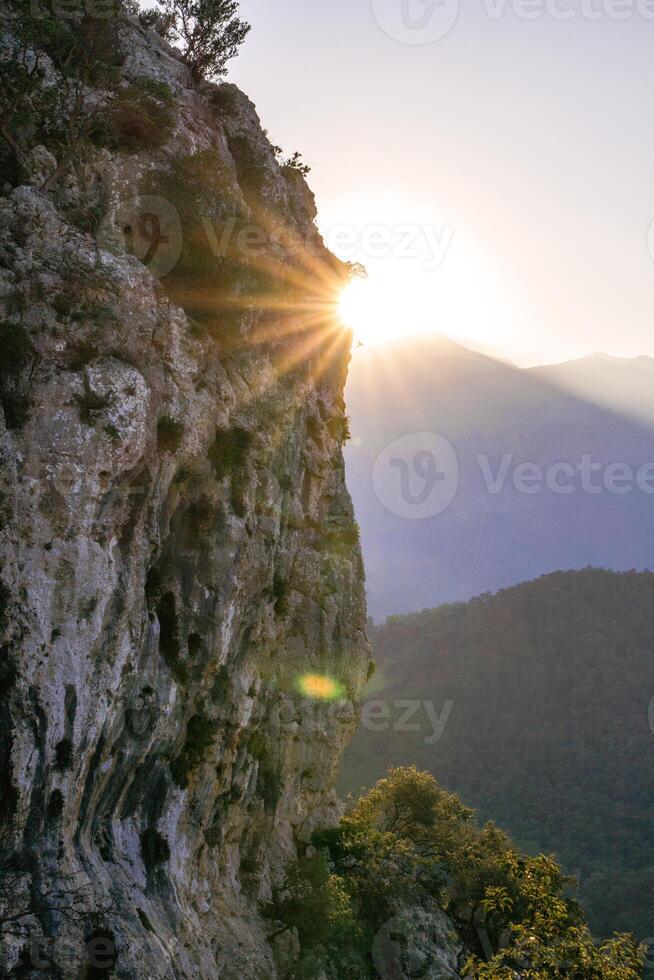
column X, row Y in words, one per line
column 466, row 300
column 378, row 309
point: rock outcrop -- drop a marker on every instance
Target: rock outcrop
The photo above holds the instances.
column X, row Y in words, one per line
column 182, row 612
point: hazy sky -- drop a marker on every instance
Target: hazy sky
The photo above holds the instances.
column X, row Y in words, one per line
column 528, row 145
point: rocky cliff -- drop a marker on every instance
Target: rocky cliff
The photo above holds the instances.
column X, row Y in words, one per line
column 181, row 603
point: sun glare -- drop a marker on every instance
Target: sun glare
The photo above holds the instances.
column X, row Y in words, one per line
column 464, row 302
column 378, row 310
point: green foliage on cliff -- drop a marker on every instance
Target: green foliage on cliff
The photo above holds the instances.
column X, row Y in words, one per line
column 207, row 32
column 135, row 119
column 81, row 52
column 409, row 844
column 60, row 72
column 548, row 733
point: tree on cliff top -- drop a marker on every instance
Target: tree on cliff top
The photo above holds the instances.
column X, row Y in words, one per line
column 208, row 31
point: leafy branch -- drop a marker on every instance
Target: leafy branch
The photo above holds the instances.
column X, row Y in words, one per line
column 207, row 32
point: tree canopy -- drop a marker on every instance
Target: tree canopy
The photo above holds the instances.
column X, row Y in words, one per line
column 208, row 33
column 550, row 686
column 409, row 844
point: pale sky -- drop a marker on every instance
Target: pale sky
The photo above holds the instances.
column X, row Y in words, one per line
column 525, row 147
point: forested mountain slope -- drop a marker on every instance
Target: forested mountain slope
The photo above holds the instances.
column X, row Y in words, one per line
column 549, row 731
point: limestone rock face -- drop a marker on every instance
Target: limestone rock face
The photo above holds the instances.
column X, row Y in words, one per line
column 179, row 562
column 419, row 942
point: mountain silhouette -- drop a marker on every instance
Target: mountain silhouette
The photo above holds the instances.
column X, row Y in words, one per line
column 499, row 418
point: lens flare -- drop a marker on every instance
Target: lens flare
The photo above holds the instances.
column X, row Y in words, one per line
column 320, row 687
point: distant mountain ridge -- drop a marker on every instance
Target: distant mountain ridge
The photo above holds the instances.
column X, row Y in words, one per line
column 597, row 407
column 619, row 383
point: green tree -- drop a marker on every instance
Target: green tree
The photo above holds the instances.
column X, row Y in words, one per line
column 315, row 902
column 549, row 938
column 409, row 844
column 208, row 33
